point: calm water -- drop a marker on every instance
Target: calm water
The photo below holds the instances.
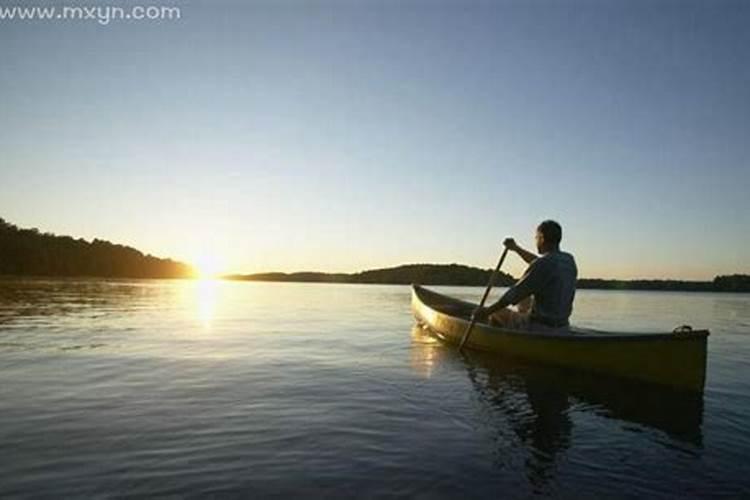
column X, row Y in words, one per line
column 149, row 388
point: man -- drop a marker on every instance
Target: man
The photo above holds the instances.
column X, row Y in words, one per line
column 550, row 279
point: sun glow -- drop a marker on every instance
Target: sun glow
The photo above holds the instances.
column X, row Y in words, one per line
column 206, row 296
column 426, row 352
column 207, row 267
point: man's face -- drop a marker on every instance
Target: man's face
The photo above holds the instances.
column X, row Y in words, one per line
column 539, row 242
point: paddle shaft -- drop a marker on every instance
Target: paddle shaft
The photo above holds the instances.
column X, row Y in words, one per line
column 484, row 299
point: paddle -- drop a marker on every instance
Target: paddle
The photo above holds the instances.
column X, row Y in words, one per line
column 484, row 299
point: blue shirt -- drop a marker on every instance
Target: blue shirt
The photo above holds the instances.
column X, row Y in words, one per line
column 551, row 279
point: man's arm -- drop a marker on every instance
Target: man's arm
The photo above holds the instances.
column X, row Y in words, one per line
column 531, row 282
column 527, row 256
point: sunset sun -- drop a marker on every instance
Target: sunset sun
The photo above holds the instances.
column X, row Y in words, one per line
column 207, row 266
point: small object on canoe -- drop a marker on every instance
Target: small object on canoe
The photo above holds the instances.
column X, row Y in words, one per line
column 676, row 359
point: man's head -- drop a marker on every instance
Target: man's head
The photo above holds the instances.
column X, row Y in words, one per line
column 548, row 236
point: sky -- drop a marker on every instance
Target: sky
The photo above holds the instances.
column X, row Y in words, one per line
column 346, row 135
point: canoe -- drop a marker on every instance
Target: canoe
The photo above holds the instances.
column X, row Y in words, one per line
column 676, row 359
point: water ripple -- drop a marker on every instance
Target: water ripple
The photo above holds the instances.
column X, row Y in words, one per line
column 169, row 388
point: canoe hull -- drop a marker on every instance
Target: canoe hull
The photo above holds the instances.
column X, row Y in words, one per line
column 663, row 358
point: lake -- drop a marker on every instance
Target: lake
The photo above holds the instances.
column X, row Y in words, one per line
column 242, row 389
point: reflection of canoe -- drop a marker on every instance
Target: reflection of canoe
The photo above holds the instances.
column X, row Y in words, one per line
column 677, row 360
column 545, row 407
column 498, row 378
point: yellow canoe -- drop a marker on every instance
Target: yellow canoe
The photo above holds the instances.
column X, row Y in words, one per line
column 672, row 359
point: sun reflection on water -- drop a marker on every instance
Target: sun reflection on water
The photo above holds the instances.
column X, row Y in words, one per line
column 206, row 298
column 426, row 351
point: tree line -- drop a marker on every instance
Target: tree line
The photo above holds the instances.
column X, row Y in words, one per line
column 460, row 275
column 29, row 252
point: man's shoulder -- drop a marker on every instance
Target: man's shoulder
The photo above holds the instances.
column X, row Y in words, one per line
column 567, row 256
column 545, row 263
column 559, row 257
column 556, row 255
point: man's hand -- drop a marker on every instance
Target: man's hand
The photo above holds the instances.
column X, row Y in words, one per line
column 527, row 256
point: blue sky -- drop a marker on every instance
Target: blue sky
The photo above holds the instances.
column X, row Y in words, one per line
column 338, row 136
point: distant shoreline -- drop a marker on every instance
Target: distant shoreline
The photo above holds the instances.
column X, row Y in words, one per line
column 31, row 253
column 459, row 275
column 584, row 284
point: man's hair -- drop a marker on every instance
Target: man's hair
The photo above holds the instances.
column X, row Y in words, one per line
column 552, row 232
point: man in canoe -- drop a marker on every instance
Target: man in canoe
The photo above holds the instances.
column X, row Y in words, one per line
column 550, row 280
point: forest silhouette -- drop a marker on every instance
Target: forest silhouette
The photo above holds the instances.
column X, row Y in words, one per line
column 29, row 252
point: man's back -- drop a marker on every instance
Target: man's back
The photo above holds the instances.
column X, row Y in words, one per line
column 553, row 297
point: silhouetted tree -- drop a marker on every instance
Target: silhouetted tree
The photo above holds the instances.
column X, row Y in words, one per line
column 732, row 283
column 456, row 274
column 28, row 252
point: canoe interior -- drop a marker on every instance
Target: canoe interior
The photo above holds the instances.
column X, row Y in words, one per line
column 677, row 360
